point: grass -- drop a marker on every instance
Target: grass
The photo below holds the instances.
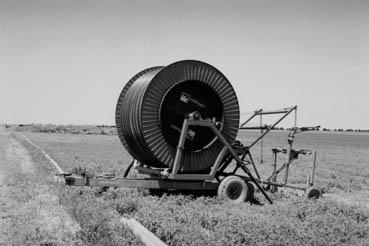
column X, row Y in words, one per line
column 29, row 209
column 99, row 223
column 193, row 220
column 93, row 152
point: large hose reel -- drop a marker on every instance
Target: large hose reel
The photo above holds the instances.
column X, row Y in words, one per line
column 154, row 103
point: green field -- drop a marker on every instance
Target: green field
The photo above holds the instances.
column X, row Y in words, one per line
column 341, row 217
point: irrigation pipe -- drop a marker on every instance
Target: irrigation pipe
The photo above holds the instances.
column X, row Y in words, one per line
column 142, row 233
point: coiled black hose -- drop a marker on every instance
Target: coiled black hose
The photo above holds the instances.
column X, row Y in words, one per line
column 153, row 104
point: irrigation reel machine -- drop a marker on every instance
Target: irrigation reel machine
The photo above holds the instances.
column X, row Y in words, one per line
column 180, row 123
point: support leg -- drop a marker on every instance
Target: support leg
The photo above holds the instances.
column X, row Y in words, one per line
column 253, row 165
column 313, row 168
column 128, row 169
column 274, row 179
column 257, row 184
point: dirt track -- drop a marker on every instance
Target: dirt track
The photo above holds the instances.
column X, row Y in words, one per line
column 29, row 211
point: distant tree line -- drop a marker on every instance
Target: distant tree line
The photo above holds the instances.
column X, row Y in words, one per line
column 333, row 130
column 345, row 130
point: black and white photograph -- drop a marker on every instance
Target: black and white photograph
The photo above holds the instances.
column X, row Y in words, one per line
column 173, row 122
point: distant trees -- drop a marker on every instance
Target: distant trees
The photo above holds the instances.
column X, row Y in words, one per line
column 345, row 130
column 333, row 130
column 361, row 130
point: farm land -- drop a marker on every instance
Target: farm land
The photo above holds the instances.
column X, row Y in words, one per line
column 341, row 217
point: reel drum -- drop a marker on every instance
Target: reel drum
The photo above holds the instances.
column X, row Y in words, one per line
column 154, row 103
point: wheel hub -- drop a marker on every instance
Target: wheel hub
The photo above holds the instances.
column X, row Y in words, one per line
column 234, row 191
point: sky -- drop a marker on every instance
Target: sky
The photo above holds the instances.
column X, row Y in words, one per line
column 65, row 62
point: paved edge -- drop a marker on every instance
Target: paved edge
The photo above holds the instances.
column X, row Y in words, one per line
column 142, row 233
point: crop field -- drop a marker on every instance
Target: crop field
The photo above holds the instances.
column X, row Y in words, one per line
column 341, row 217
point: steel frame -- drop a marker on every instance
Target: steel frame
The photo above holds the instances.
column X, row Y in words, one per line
column 284, row 111
column 172, row 178
column 271, row 181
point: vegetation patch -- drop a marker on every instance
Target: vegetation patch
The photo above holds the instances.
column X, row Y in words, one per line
column 66, row 129
column 99, row 222
column 204, row 220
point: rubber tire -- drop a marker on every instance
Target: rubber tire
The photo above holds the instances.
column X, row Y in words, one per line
column 232, row 184
column 313, row 193
column 250, row 192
